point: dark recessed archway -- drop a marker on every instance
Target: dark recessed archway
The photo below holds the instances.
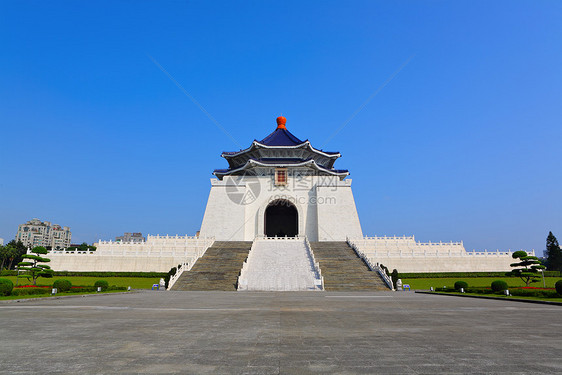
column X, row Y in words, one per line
column 281, row 219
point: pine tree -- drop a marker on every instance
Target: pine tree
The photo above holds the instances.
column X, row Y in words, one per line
column 529, row 267
column 394, row 277
column 553, row 253
column 32, row 267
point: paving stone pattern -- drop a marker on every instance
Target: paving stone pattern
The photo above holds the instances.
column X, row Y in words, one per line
column 279, row 333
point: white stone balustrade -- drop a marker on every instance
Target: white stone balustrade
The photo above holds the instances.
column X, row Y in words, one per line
column 319, row 279
column 407, row 255
column 157, row 254
column 154, row 246
column 373, row 266
column 188, row 265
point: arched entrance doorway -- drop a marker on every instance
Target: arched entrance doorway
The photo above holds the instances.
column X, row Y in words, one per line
column 281, row 219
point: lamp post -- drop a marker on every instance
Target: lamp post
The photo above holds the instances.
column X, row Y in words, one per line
column 543, row 282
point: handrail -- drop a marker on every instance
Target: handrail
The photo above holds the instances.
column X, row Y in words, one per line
column 319, row 280
column 372, row 267
column 242, row 280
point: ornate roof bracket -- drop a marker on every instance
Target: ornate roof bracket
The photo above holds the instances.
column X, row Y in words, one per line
column 220, row 173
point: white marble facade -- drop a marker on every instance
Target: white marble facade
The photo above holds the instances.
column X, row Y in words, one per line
column 408, row 255
column 325, row 206
column 156, row 254
column 281, row 170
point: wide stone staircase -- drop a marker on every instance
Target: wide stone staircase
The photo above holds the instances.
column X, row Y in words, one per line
column 343, row 270
column 217, row 269
column 280, row 265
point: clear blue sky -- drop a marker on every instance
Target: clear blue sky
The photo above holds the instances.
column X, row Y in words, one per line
column 464, row 143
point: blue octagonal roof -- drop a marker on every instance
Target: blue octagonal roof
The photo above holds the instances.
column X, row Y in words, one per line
column 281, row 137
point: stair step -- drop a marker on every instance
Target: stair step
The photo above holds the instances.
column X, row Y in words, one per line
column 343, row 270
column 281, row 265
column 220, row 266
column 217, row 269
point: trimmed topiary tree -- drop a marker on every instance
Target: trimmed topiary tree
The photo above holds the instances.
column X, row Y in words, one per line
column 6, row 287
column 461, row 284
column 386, row 271
column 529, row 267
column 167, row 278
column 101, row 283
column 33, row 267
column 558, row 287
column 394, row 277
column 499, row 286
column 62, row 285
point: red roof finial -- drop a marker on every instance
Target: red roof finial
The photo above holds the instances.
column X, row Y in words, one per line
column 281, row 121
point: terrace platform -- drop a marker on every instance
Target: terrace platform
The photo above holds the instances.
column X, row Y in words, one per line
column 279, row 333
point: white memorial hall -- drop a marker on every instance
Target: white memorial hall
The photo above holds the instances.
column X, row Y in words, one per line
column 281, row 186
column 280, row 217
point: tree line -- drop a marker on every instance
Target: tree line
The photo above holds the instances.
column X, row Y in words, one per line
column 553, row 254
column 11, row 254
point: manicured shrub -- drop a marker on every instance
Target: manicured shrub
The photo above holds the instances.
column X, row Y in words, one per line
column 394, row 277
column 499, row 285
column 434, row 275
column 30, row 291
column 170, row 273
column 6, row 287
column 111, row 274
column 84, row 289
column 62, row 285
column 558, row 287
column 114, row 287
column 533, row 293
column 101, row 283
column 479, row 290
column 461, row 284
column 95, row 274
column 525, row 293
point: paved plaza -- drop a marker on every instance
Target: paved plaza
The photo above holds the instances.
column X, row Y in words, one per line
column 279, row 333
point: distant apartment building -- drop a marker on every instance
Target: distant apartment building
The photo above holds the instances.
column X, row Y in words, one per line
column 130, row 237
column 42, row 233
column 1, row 242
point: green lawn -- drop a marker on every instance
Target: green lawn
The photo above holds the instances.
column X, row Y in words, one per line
column 506, row 297
column 133, row 282
column 474, row 282
column 57, row 295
